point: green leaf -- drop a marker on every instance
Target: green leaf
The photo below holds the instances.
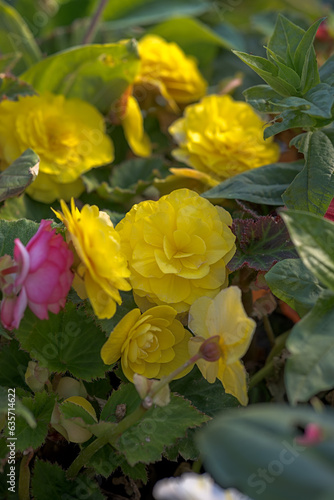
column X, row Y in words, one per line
column 326, row 72
column 11, row 87
column 310, row 369
column 293, row 283
column 268, row 72
column 19, row 175
column 289, row 119
column 261, row 97
column 16, row 37
column 107, row 459
column 208, row 398
column 254, row 450
column 49, row 481
column 68, row 341
column 260, row 185
column 313, row 237
column 285, row 72
column 20, row 409
column 24, row 207
column 98, row 74
column 41, row 406
column 285, row 39
column 9, row 230
column 312, row 189
column 260, row 243
column 14, row 363
column 160, row 427
column 305, row 60
column 121, row 14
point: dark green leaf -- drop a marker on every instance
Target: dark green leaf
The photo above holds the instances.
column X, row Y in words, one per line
column 260, row 185
column 289, row 119
column 293, row 283
column 310, row 369
column 41, row 406
column 285, row 39
column 24, row 207
column 50, row 482
column 312, row 189
column 107, row 459
column 14, row 363
column 261, row 97
column 98, row 74
column 19, row 175
column 254, row 450
column 9, row 230
column 11, row 87
column 69, row 341
column 260, row 243
column 305, row 61
column 313, row 237
column 326, row 72
column 15, row 36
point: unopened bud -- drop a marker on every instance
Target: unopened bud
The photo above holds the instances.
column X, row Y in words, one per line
column 36, row 376
column 210, row 349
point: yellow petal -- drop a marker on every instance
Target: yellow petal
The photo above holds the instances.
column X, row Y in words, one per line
column 133, row 127
column 233, row 378
column 111, row 350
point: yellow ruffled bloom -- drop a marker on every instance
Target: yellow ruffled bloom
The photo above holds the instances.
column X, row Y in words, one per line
column 165, row 67
column 222, row 137
column 67, row 134
column 223, row 316
column 177, row 249
column 100, row 267
column 152, row 344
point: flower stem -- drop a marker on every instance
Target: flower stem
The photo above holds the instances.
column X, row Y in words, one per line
column 127, row 422
column 269, row 330
column 24, row 477
column 89, row 35
column 269, row 366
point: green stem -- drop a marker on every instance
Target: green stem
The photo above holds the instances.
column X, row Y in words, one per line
column 127, row 422
column 269, row 366
column 24, row 477
column 89, row 35
column 269, row 330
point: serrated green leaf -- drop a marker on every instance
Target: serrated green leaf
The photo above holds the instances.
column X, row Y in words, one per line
column 293, row 283
column 305, row 61
column 107, row 459
column 260, row 185
column 50, row 481
column 11, row 87
column 260, row 243
column 312, row 189
column 9, row 230
column 208, row 398
column 24, row 207
column 254, row 450
column 15, row 36
column 98, row 74
column 19, row 175
column 268, row 71
column 14, row 363
column 41, row 406
column 263, row 98
column 310, row 369
column 67, row 341
column 159, row 428
column 285, row 39
column 313, row 237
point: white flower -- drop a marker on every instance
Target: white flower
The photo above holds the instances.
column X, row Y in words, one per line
column 191, row 486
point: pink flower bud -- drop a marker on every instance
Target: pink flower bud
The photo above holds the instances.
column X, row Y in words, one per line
column 43, row 278
column 210, row 349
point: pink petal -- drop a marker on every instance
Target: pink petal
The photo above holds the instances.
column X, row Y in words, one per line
column 22, row 258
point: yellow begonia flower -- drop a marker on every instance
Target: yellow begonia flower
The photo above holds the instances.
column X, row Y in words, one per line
column 101, row 268
column 222, row 137
column 177, row 248
column 223, row 316
column 133, row 126
column 67, row 134
column 152, row 344
column 165, row 67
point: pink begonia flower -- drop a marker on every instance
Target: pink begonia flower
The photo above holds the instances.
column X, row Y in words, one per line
column 312, row 435
column 330, row 211
column 42, row 277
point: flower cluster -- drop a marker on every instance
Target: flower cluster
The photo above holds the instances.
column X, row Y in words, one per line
column 67, row 134
column 100, row 266
column 39, row 277
column 222, row 137
column 177, row 249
